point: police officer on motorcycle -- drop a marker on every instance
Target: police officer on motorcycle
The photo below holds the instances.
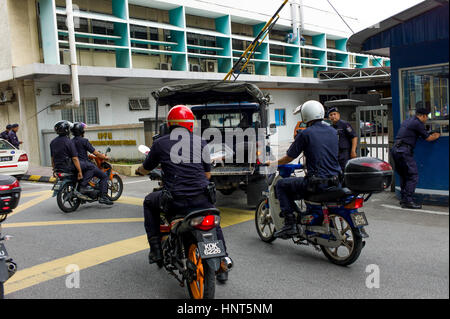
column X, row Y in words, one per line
column 347, row 137
column 63, row 151
column 186, row 167
column 319, row 143
column 403, row 154
column 90, row 170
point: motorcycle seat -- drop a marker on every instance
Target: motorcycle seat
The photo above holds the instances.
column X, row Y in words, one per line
column 333, row 193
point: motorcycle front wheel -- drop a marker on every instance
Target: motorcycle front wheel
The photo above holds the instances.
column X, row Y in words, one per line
column 115, row 188
column 352, row 244
column 264, row 223
column 66, row 199
column 203, row 285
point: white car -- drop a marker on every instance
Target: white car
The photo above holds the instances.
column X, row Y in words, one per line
column 12, row 160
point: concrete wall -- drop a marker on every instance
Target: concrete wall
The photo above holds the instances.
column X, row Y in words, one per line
column 23, row 32
column 9, row 114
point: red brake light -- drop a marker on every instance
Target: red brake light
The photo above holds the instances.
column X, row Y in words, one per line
column 208, row 222
column 23, row 158
column 382, row 166
column 357, row 203
column 9, row 187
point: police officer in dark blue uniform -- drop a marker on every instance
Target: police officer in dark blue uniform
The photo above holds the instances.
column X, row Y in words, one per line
column 13, row 139
column 5, row 134
column 319, row 143
column 89, row 169
column 185, row 177
column 63, row 152
column 347, row 137
column 403, row 155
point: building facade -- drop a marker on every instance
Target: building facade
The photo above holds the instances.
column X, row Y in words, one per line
column 127, row 48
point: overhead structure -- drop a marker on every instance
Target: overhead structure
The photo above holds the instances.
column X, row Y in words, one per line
column 249, row 53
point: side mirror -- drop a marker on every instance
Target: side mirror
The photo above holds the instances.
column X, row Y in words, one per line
column 108, row 150
column 273, row 129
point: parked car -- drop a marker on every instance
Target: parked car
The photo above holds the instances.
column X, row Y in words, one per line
column 366, row 128
column 13, row 161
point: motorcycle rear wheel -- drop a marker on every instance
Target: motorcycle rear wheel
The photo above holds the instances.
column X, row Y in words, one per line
column 65, row 196
column 352, row 242
column 204, row 285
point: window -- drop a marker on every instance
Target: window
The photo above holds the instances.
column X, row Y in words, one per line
column 426, row 87
column 139, row 104
column 86, row 113
column 280, row 117
column 103, row 27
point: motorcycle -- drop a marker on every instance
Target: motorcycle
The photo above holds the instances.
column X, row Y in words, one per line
column 9, row 199
column 191, row 247
column 66, row 187
column 330, row 221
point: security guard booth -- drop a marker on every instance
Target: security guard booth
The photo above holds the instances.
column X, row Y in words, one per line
column 417, row 40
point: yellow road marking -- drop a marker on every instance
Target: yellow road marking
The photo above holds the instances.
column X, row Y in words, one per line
column 34, row 178
column 34, row 194
column 85, row 259
column 88, row 258
column 44, row 196
column 131, row 200
column 74, row 222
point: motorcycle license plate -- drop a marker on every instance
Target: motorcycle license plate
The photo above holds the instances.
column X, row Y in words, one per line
column 211, row 249
column 3, row 252
column 57, row 186
column 359, row 219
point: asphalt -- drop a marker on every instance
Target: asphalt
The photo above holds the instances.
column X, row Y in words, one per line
column 411, row 249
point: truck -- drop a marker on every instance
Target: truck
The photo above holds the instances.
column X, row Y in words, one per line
column 237, row 114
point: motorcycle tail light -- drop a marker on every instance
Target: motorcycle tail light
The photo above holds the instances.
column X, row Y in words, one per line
column 9, row 187
column 205, row 222
column 357, row 203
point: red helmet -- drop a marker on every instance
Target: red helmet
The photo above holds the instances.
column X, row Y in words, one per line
column 181, row 115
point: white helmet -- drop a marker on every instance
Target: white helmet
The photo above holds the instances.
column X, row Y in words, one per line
column 311, row 110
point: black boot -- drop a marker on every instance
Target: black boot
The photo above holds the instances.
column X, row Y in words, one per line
column 105, row 200
column 289, row 229
column 411, row 205
column 155, row 255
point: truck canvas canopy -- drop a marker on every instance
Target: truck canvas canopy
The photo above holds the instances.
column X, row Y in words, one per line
column 209, row 92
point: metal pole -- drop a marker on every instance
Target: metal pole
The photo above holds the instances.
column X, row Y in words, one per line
column 73, row 55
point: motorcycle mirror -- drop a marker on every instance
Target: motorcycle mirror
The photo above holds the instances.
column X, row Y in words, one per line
column 108, row 150
column 144, row 149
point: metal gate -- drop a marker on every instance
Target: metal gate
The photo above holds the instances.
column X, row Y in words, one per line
column 373, row 131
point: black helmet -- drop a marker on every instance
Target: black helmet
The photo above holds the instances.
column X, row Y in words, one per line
column 62, row 128
column 78, row 128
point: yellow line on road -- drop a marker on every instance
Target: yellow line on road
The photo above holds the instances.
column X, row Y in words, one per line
column 34, row 194
column 56, row 268
column 44, row 196
column 74, row 222
column 85, row 259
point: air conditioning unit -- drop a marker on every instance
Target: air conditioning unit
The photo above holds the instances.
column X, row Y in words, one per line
column 65, row 89
column 165, row 66
column 6, row 96
column 211, row 66
column 249, row 69
column 195, row 68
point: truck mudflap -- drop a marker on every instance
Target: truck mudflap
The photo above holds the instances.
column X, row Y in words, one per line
column 257, row 184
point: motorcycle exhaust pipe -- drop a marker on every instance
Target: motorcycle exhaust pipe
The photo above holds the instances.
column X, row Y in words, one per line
column 12, row 268
column 226, row 264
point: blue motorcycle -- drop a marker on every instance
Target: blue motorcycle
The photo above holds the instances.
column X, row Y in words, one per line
column 331, row 221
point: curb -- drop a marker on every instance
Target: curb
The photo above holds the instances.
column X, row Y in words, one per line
column 38, row 178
